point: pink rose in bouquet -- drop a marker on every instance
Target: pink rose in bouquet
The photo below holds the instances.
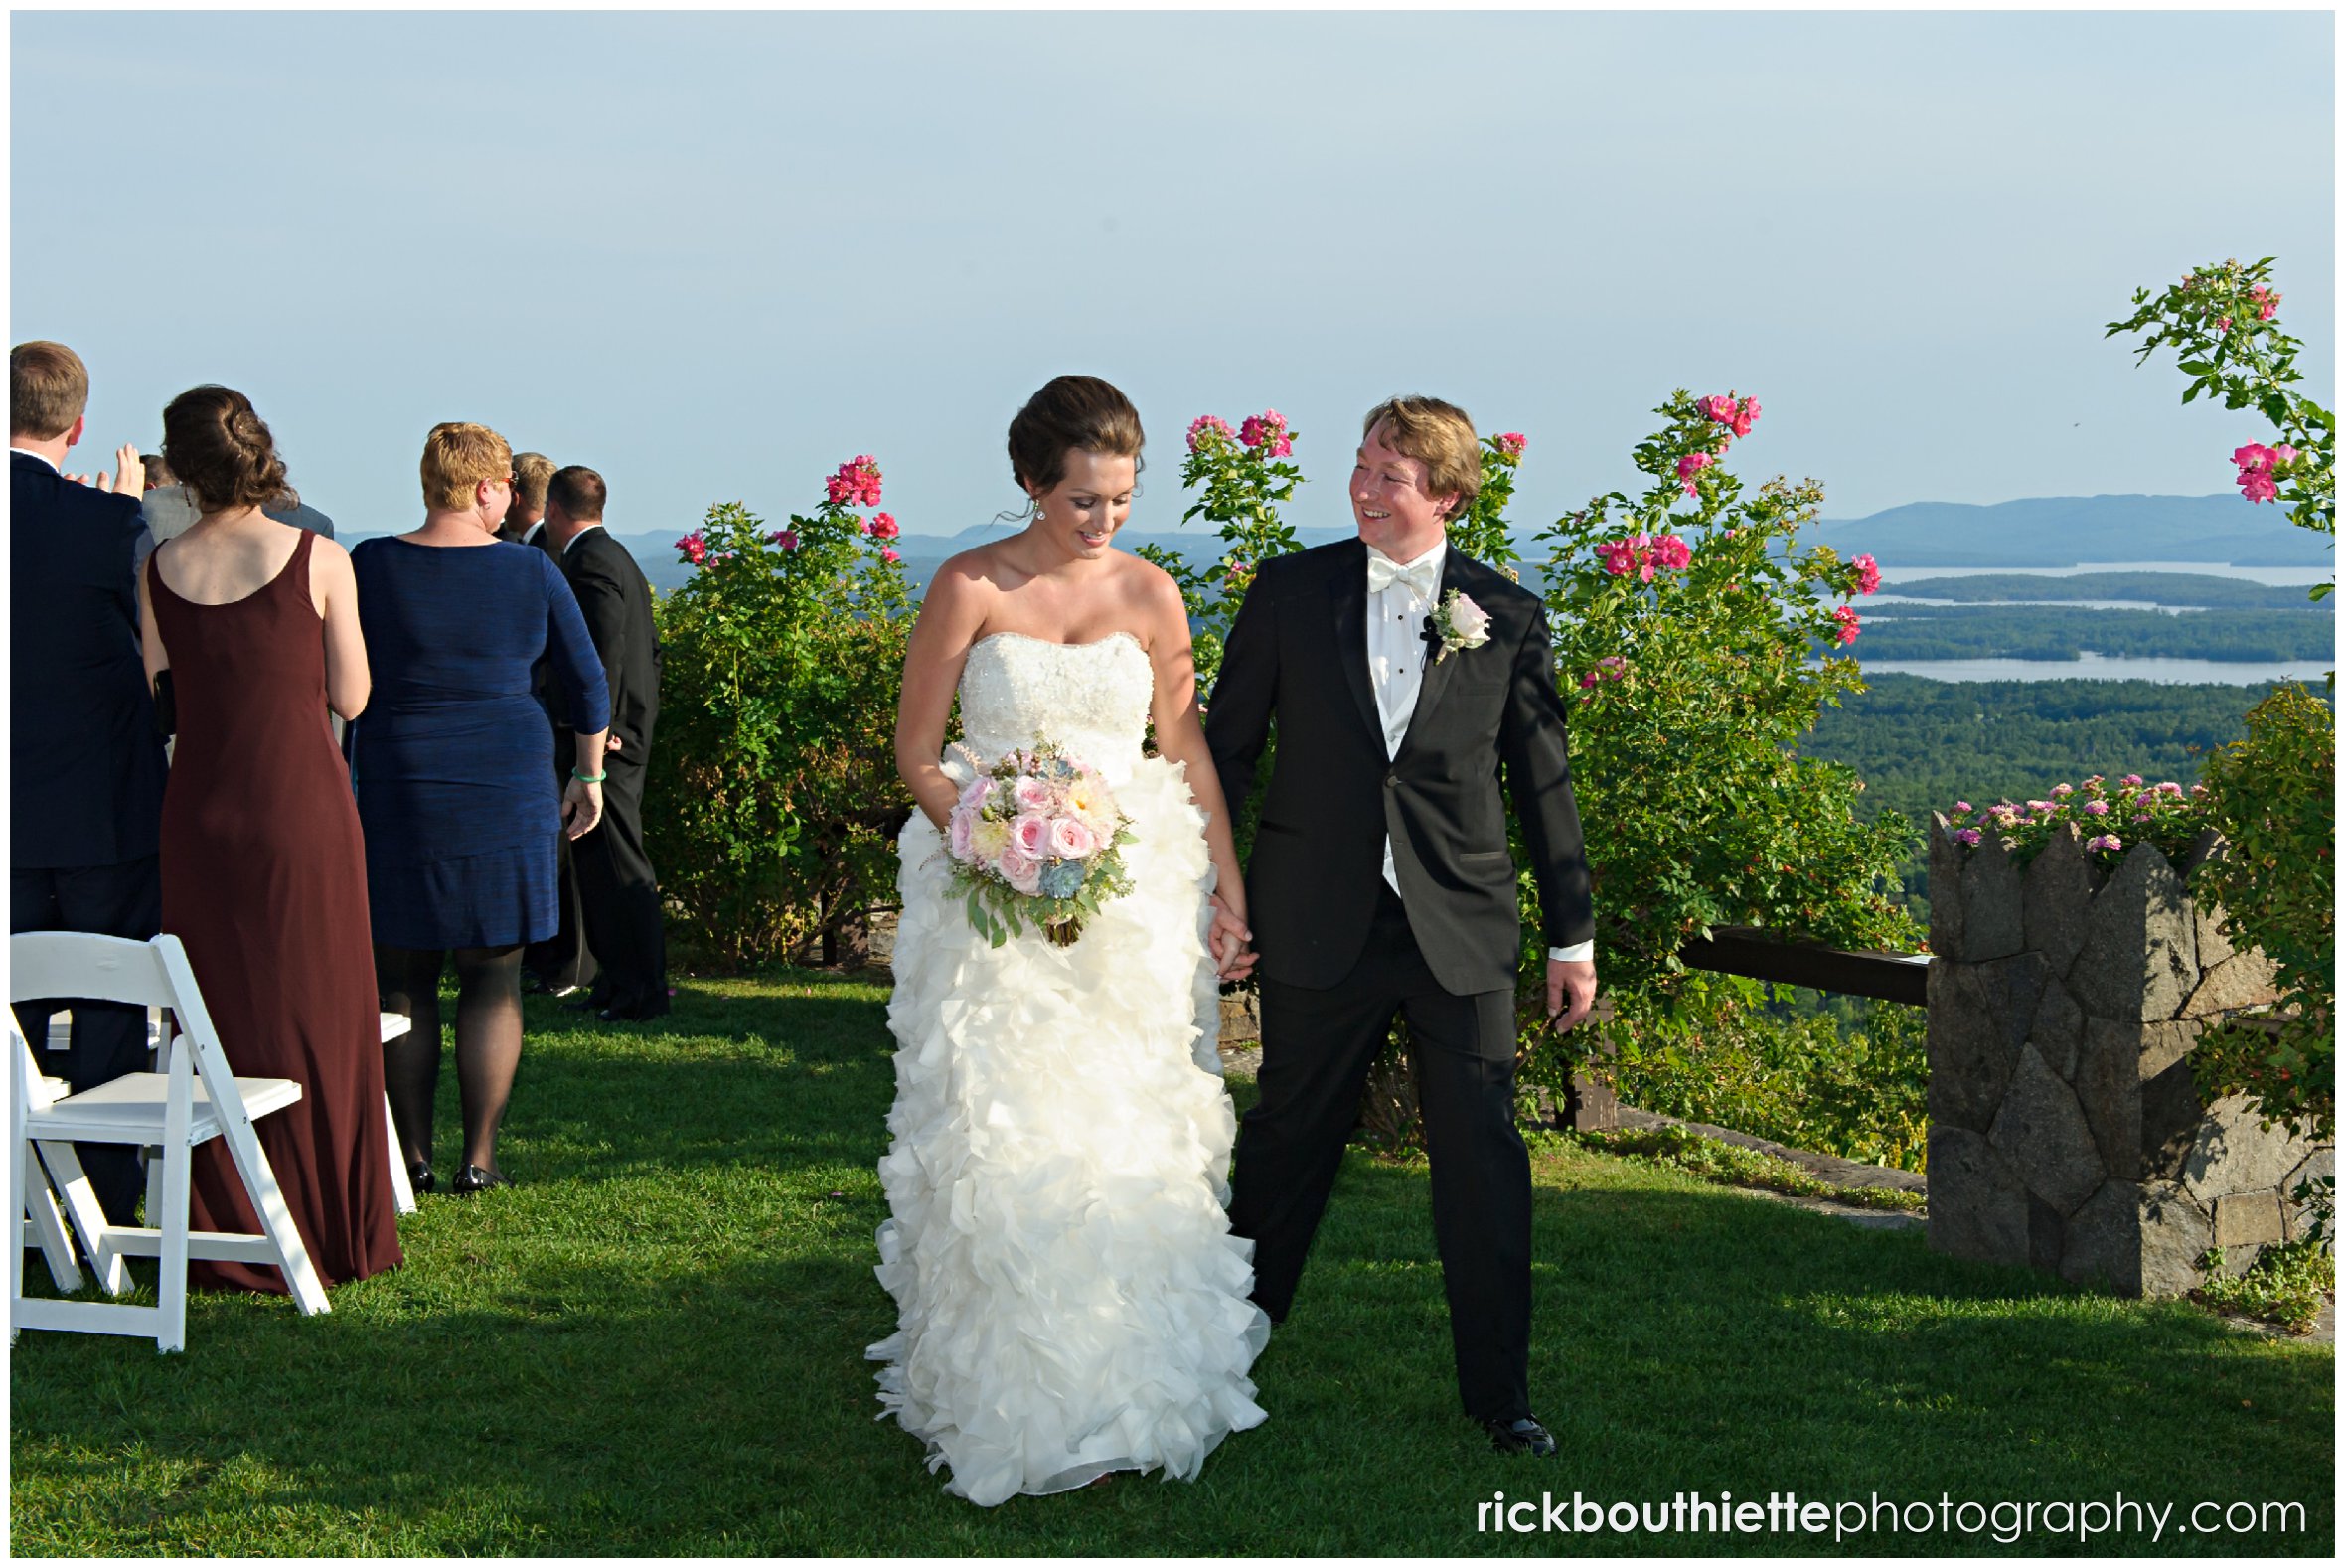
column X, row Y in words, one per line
column 1019, row 870
column 1030, row 794
column 1070, row 839
column 1031, row 832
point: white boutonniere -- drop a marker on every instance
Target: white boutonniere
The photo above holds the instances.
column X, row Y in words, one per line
column 1459, row 623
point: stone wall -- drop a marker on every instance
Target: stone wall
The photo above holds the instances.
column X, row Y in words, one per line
column 2065, row 1129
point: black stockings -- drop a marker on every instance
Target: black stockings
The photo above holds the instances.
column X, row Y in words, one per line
column 488, row 1042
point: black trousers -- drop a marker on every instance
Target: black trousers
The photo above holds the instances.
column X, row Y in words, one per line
column 1317, row 1049
column 621, row 898
column 108, row 1038
column 564, row 959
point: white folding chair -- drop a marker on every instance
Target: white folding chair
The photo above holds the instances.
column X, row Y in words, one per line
column 43, row 1225
column 402, row 1191
column 193, row 1098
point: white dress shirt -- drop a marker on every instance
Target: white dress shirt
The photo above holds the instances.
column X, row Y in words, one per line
column 1396, row 671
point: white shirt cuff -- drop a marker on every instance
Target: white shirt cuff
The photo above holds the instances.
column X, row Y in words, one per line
column 1577, row 953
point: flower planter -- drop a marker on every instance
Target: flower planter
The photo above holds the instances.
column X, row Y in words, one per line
column 2066, row 1131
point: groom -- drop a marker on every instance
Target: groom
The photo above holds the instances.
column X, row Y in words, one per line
column 1381, row 882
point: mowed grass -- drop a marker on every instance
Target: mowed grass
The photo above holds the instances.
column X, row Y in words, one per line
column 653, row 1345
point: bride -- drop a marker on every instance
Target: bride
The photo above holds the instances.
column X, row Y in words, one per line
column 1069, row 1298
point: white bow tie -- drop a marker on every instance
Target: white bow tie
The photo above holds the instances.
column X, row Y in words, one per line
column 1422, row 575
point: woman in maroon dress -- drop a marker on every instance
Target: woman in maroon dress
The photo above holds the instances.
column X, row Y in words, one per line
column 264, row 874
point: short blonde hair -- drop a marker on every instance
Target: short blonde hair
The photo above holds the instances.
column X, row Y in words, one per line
column 1437, row 434
column 456, row 457
column 48, row 390
column 530, row 471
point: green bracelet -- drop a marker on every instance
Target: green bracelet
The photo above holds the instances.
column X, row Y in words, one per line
column 584, row 779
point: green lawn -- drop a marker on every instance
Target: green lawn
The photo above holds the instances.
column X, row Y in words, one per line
column 653, row 1345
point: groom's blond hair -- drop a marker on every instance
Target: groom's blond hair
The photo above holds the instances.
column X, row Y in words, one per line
column 1437, row 434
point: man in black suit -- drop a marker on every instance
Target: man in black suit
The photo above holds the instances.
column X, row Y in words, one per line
column 615, row 879
column 561, row 964
column 1381, row 881
column 85, row 797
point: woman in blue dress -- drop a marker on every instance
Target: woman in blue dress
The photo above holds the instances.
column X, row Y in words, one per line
column 458, row 804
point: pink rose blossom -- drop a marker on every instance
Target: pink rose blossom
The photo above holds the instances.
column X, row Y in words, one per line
column 884, row 525
column 2222, row 323
column 2254, row 459
column 1033, row 795
column 1849, row 624
column 2169, row 788
column 2059, row 791
column 1673, row 551
column 1205, row 424
column 892, row 558
column 1468, row 619
column 1267, row 428
column 1019, row 870
column 975, row 792
column 1747, row 418
column 786, row 538
column 1070, row 839
column 1970, row 836
column 1587, row 680
column 1512, row 443
column 2097, row 808
column 1868, row 573
column 2131, row 781
column 961, row 831
column 2283, row 453
column 695, row 547
column 1963, row 805
column 1030, row 833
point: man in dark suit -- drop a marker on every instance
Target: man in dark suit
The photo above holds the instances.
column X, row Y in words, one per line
column 1402, row 677
column 524, row 522
column 615, row 879
column 561, row 964
column 86, row 796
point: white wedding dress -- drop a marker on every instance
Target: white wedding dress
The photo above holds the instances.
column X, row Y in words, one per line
column 1069, row 1297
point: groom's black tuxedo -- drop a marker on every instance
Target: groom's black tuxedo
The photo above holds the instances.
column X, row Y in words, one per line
column 1298, row 654
column 1341, row 955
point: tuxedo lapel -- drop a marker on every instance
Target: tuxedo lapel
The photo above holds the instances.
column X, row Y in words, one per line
column 1436, row 680
column 1348, row 594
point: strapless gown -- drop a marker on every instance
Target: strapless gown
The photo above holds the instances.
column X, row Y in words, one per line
column 1069, row 1297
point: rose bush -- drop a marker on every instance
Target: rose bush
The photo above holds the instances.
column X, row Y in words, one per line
column 1244, row 478
column 773, row 792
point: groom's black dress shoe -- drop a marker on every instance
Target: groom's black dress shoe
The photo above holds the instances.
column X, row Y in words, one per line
column 1524, row 1435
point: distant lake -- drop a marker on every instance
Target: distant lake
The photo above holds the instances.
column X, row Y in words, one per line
column 2094, row 667
column 2270, row 576
column 2016, row 604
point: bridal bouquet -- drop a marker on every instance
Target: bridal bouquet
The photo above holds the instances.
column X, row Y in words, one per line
column 1035, row 837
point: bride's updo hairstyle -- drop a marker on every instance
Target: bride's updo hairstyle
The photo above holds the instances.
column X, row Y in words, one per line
column 222, row 450
column 1072, row 413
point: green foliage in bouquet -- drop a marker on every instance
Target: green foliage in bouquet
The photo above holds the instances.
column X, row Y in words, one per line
column 773, row 791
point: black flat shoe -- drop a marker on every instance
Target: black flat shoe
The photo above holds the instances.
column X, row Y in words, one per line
column 1524, row 1435
column 420, row 1179
column 471, row 1179
column 583, row 1002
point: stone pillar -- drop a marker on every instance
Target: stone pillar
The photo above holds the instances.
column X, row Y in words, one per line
column 2065, row 1130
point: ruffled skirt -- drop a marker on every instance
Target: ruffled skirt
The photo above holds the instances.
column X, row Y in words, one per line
column 1069, row 1297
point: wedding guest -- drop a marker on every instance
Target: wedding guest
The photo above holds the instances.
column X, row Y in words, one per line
column 562, row 964
column 86, row 768
column 525, row 524
column 450, row 763
column 158, row 472
column 615, row 877
column 255, row 623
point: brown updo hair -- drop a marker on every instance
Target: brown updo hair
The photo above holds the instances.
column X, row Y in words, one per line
column 1072, row 413
column 222, row 450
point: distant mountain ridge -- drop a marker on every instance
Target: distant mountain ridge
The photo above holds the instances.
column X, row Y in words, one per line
column 2049, row 531
column 2076, row 531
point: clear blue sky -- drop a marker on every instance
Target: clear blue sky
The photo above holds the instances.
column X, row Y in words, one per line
column 712, row 256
